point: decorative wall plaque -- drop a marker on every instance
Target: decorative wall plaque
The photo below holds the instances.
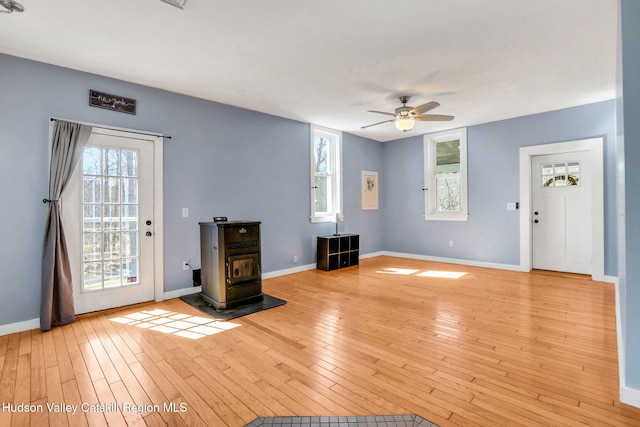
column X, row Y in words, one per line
column 112, row 102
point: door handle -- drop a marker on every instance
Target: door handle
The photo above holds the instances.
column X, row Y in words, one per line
column 148, row 222
column 536, row 221
column 148, row 233
column 535, row 213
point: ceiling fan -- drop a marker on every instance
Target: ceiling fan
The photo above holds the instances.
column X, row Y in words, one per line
column 405, row 116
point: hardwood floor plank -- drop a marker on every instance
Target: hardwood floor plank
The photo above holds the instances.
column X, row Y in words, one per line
column 99, row 353
column 196, row 402
column 23, row 386
column 55, row 396
column 9, row 374
column 225, row 405
column 157, row 376
column 71, row 395
column 86, row 388
column 38, row 385
column 108, row 400
column 130, row 410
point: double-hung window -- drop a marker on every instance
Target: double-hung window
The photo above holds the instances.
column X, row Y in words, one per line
column 326, row 175
column 445, row 178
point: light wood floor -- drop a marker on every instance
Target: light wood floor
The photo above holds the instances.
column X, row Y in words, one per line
column 489, row 348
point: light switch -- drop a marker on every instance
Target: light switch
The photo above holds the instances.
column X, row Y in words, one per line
column 511, row 206
column 185, row 212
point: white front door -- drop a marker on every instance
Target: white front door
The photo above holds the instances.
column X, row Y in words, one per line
column 108, row 216
column 561, row 212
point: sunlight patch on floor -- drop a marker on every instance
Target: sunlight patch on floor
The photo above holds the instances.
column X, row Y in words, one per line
column 442, row 274
column 428, row 273
column 170, row 322
column 402, row 271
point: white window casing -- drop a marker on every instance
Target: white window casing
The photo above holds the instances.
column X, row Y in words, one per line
column 445, row 176
column 326, row 174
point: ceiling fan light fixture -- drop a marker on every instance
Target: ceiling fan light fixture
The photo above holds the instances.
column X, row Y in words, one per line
column 405, row 124
column 11, row 6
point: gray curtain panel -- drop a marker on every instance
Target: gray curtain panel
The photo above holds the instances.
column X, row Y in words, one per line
column 56, row 304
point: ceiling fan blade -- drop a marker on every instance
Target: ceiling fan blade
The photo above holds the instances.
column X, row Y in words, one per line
column 420, row 109
column 379, row 123
column 381, row 112
column 434, row 118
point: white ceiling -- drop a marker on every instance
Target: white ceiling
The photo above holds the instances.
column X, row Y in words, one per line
column 328, row 61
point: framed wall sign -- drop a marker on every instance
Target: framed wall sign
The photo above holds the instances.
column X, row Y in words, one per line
column 369, row 190
column 112, row 102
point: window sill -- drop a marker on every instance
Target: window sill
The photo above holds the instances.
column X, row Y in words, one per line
column 447, row 217
column 323, row 219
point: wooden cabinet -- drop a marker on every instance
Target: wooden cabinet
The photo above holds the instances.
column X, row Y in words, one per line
column 338, row 251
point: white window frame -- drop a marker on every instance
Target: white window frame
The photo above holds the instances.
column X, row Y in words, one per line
column 335, row 174
column 430, row 141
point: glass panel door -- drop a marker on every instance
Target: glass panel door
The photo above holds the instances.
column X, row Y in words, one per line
column 109, row 211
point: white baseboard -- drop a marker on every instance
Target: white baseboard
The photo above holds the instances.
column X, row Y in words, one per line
column 630, row 396
column 286, row 271
column 512, row 267
column 179, row 293
column 372, row 255
column 307, row 267
column 13, row 328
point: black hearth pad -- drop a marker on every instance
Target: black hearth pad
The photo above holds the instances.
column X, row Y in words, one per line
column 267, row 302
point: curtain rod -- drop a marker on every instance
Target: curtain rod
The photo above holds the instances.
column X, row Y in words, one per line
column 53, row 119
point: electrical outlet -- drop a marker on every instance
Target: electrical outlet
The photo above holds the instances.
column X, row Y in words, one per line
column 450, row 243
column 185, row 265
column 295, row 258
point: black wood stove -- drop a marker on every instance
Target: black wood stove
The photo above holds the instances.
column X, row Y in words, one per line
column 231, row 263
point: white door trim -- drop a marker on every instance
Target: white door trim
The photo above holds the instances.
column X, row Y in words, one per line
column 594, row 145
column 158, row 215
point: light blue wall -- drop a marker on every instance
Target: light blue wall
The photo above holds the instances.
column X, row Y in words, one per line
column 492, row 232
column 630, row 15
column 221, row 161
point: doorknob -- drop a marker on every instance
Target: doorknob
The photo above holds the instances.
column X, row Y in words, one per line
column 535, row 213
column 148, row 222
column 148, row 233
column 536, row 221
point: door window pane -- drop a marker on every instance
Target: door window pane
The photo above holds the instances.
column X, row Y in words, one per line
column 129, row 190
column 560, row 174
column 573, row 171
column 92, row 161
column 129, row 161
column 111, row 162
column 110, row 218
column 92, row 243
column 91, row 218
column 92, row 189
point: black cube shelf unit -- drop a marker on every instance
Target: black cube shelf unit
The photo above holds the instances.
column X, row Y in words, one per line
column 338, row 251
